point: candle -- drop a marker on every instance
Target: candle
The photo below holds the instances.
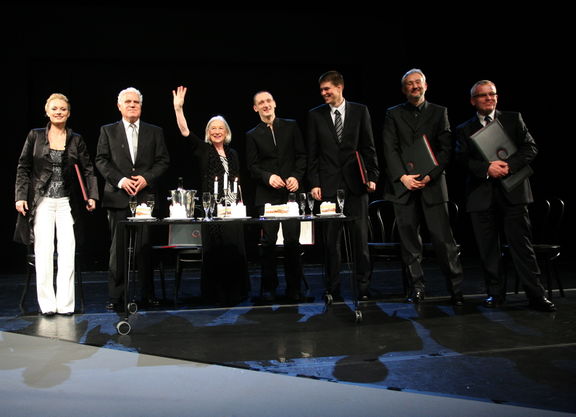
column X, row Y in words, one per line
column 216, row 185
column 225, row 184
column 235, row 185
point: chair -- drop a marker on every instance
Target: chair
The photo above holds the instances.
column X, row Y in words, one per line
column 383, row 239
column 185, row 246
column 547, row 218
column 31, row 270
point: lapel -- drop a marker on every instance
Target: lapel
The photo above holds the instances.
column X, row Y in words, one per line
column 330, row 123
column 123, row 140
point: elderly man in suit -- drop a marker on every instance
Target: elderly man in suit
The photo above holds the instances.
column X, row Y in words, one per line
column 335, row 131
column 490, row 204
column 419, row 197
column 131, row 156
column 276, row 158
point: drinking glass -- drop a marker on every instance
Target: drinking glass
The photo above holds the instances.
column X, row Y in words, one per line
column 292, row 197
column 133, row 203
column 310, row 203
column 302, row 202
column 340, row 198
column 206, row 203
column 150, row 201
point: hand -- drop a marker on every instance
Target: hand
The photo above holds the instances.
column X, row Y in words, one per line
column 276, row 182
column 498, row 169
column 371, row 186
column 22, row 207
column 90, row 205
column 316, row 193
column 412, row 183
column 139, row 183
column 178, row 97
column 292, row 184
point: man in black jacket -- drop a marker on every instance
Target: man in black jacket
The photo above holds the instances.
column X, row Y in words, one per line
column 131, row 156
column 276, row 158
column 421, row 196
column 488, row 202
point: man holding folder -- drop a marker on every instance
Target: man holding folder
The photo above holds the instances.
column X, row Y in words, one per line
column 489, row 202
column 419, row 196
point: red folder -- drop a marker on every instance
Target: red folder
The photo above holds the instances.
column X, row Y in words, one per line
column 81, row 182
column 362, row 168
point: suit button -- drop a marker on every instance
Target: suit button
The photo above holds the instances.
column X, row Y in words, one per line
column 133, row 169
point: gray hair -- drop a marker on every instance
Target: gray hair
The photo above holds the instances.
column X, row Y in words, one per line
column 478, row 84
column 413, row 71
column 228, row 137
column 130, row 90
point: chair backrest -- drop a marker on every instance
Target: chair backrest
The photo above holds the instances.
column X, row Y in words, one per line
column 382, row 222
column 547, row 216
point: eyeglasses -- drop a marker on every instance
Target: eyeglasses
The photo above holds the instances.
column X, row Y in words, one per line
column 483, row 95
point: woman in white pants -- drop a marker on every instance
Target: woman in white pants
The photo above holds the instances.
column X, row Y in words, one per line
column 49, row 198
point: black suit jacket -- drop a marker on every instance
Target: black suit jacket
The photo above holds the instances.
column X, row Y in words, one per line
column 480, row 188
column 286, row 158
column 401, row 129
column 332, row 164
column 114, row 162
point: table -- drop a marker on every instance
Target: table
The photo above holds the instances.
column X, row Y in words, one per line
column 133, row 225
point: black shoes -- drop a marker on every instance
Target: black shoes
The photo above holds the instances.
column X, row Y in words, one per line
column 415, row 297
column 49, row 314
column 492, row 302
column 457, row 300
column 542, row 304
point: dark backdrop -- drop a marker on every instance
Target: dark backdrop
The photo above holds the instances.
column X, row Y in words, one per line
column 224, row 56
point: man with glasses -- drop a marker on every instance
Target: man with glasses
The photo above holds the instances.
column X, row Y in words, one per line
column 421, row 197
column 490, row 204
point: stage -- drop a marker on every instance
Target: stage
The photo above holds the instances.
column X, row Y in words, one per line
column 306, row 359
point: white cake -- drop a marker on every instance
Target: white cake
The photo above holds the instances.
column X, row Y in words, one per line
column 177, row 211
column 327, row 207
column 233, row 211
column 142, row 210
column 281, row 210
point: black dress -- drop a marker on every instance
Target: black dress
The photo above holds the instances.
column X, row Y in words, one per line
column 225, row 278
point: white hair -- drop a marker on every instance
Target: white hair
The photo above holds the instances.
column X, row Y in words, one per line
column 130, row 90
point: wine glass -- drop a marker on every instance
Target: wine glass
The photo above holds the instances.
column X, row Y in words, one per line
column 310, row 203
column 302, row 202
column 133, row 203
column 206, row 203
column 213, row 204
column 340, row 198
column 150, row 201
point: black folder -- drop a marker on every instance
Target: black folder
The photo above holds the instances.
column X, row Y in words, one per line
column 419, row 158
column 362, row 168
column 494, row 144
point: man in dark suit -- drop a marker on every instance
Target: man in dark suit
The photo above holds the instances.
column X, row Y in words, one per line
column 276, row 158
column 131, row 156
column 419, row 197
column 335, row 131
column 489, row 203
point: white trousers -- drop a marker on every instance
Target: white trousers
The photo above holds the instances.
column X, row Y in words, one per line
column 54, row 214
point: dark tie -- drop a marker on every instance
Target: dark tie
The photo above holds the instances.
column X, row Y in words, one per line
column 487, row 120
column 134, row 140
column 338, row 124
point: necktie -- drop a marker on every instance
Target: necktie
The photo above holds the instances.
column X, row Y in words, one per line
column 338, row 124
column 487, row 120
column 134, row 140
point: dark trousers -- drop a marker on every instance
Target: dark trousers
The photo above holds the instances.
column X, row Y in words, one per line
column 515, row 222
column 409, row 218
column 354, row 206
column 292, row 256
column 142, row 255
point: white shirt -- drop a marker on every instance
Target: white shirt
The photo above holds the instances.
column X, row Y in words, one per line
column 128, row 131
column 483, row 118
column 341, row 108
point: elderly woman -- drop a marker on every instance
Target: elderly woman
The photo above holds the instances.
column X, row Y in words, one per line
column 224, row 268
column 49, row 198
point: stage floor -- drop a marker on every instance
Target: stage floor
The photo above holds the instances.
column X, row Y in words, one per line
column 431, row 359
